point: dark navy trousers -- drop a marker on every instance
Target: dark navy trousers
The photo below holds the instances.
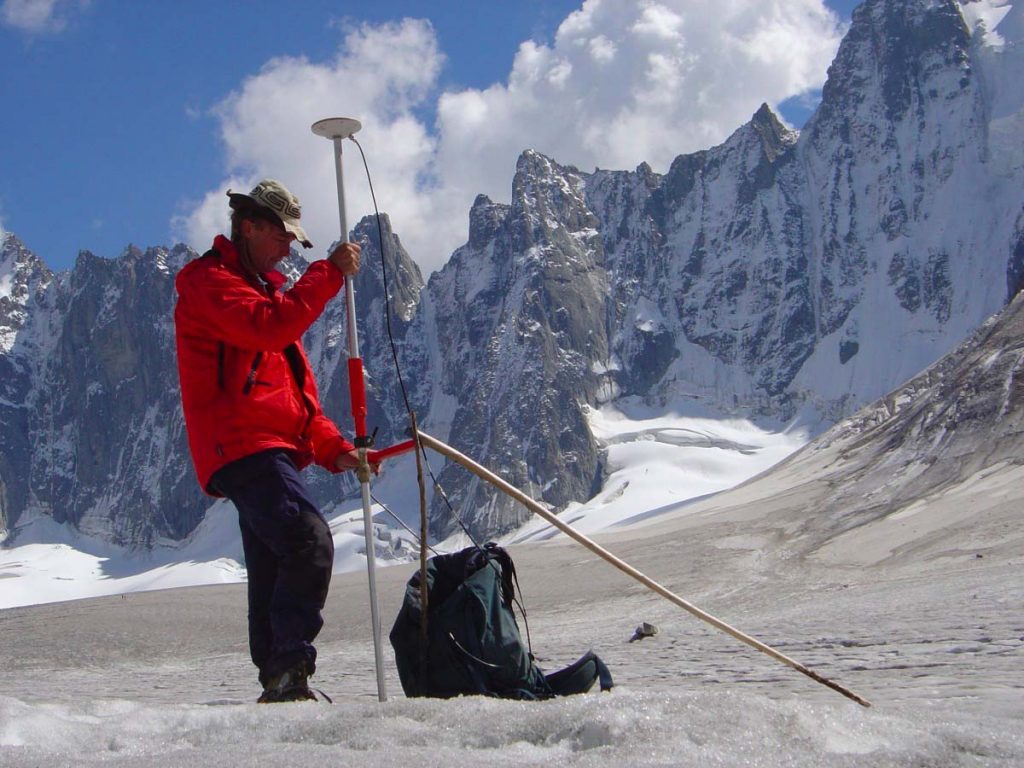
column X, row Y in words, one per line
column 289, row 554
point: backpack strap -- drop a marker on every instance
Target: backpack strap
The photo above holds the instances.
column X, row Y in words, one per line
column 579, row 676
column 604, row 674
column 509, row 581
column 497, row 557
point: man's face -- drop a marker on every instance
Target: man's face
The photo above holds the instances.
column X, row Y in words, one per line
column 268, row 243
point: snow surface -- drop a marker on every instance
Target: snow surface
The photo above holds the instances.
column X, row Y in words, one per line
column 658, row 462
column 899, row 610
column 986, row 16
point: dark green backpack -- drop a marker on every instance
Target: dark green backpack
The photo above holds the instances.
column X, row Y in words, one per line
column 473, row 644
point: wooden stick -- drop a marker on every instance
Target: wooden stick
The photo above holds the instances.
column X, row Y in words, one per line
column 533, row 506
column 424, row 591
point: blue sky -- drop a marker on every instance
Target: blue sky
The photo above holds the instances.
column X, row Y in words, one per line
column 124, row 122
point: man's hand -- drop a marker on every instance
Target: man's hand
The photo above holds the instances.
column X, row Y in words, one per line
column 350, row 460
column 346, row 258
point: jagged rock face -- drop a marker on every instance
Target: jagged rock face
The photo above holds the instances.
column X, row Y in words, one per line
column 713, row 254
column 760, row 253
column 110, row 455
column 771, row 272
column 902, row 109
column 520, row 316
column 24, row 280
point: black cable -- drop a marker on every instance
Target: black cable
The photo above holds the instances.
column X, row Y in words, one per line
column 405, row 394
column 401, row 522
column 394, row 350
column 384, row 274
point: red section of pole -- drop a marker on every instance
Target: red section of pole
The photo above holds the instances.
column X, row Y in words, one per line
column 376, row 457
column 357, row 392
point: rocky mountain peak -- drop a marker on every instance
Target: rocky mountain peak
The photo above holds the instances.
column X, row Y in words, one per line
column 23, row 278
column 485, row 218
column 543, row 193
column 772, row 275
column 775, row 137
column 897, row 55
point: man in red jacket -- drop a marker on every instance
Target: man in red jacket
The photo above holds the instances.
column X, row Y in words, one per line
column 254, row 419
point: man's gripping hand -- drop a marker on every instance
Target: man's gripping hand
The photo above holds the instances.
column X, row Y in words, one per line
column 350, row 460
column 346, row 258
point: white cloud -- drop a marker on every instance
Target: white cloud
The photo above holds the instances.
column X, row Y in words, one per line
column 658, row 22
column 39, row 16
column 623, row 82
column 686, row 74
column 602, row 50
column 381, row 75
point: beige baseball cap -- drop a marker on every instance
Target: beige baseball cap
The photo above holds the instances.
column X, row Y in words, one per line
column 273, row 196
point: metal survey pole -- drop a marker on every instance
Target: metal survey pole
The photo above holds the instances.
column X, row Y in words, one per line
column 336, row 129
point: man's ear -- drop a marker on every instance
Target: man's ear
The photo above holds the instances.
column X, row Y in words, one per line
column 248, row 227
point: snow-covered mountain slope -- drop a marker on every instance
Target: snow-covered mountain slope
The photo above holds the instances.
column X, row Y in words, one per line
column 776, row 277
column 929, row 476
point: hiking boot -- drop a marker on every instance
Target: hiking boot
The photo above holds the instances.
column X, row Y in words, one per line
column 290, row 685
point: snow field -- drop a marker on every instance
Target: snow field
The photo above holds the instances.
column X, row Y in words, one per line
column 627, row 728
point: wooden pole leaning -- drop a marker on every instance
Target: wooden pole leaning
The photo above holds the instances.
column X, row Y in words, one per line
column 533, row 506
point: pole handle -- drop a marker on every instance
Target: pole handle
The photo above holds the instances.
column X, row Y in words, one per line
column 357, row 395
column 375, row 456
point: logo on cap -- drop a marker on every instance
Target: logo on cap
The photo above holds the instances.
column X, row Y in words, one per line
column 274, row 200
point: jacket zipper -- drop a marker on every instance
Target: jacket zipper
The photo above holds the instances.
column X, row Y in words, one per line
column 250, row 380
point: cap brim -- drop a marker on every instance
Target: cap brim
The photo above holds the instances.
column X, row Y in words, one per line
column 239, row 199
column 299, row 232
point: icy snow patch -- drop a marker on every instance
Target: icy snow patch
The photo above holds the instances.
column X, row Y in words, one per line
column 658, row 462
column 51, row 562
column 989, row 13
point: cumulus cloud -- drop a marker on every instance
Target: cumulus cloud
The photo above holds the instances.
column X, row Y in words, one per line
column 640, row 81
column 381, row 76
column 623, row 82
column 39, row 16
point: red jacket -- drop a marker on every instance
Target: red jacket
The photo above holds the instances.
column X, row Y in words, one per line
column 240, row 391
